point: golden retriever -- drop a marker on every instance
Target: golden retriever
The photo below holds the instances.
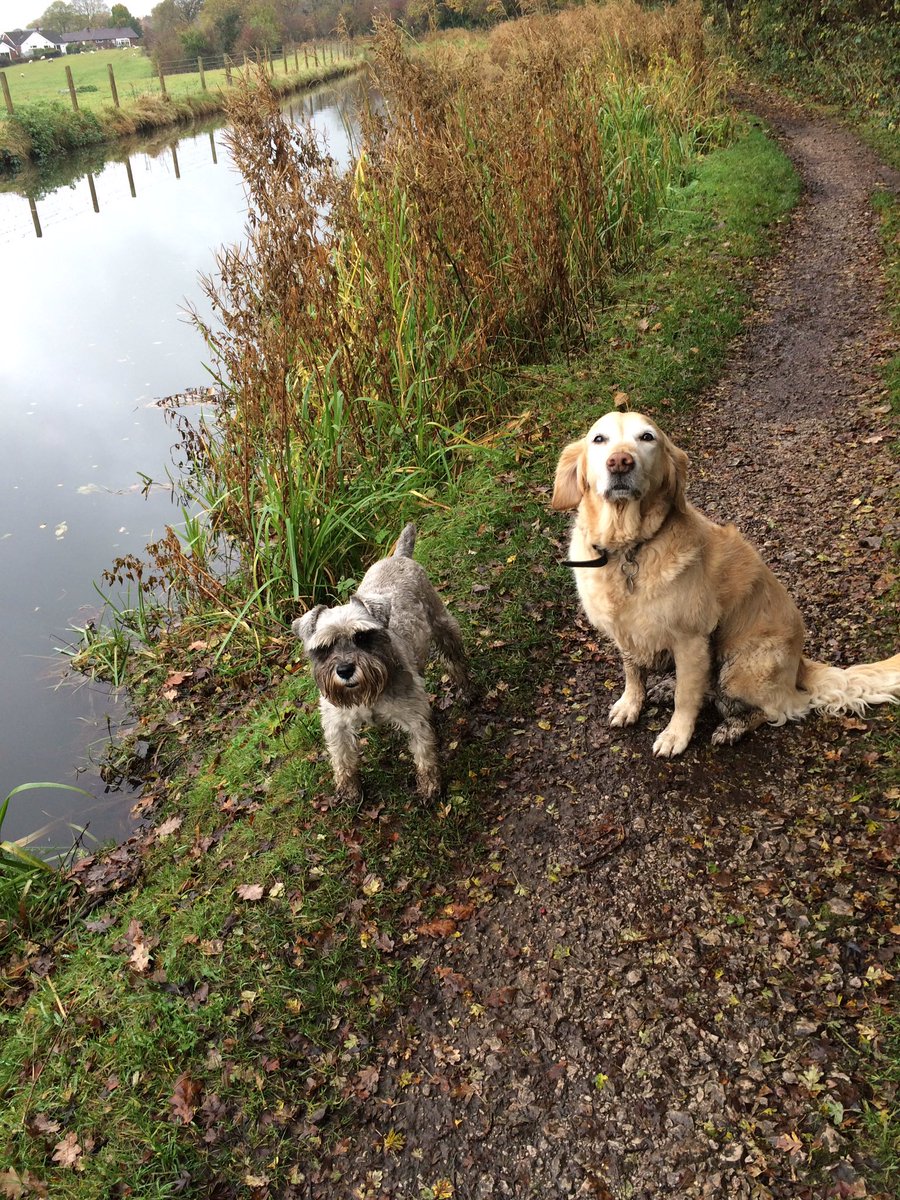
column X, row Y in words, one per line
column 661, row 580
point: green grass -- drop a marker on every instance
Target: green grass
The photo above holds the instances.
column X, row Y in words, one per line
column 881, row 1116
column 264, row 1008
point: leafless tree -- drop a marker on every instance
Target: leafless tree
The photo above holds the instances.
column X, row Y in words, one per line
column 93, row 12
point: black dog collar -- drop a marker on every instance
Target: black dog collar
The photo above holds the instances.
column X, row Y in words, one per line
column 600, row 561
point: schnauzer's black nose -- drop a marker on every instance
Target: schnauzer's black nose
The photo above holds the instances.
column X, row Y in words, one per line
column 345, row 671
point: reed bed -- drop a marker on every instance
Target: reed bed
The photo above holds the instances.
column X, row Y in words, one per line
column 362, row 334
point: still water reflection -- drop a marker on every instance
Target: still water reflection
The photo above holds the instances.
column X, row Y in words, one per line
column 96, row 277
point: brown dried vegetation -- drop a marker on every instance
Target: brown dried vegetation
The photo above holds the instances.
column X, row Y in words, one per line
column 357, row 330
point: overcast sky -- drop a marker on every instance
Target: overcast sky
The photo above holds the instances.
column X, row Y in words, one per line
column 15, row 14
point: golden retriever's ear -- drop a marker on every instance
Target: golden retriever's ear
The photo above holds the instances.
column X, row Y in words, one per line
column 676, row 475
column 569, row 484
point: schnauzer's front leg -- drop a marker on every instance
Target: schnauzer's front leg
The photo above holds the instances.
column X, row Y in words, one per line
column 342, row 741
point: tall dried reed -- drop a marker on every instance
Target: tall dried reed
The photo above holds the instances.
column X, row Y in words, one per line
column 496, row 193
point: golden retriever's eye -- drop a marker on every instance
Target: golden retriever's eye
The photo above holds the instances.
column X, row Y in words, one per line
column 647, row 436
column 600, row 438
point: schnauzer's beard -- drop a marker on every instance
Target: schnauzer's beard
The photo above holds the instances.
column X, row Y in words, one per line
column 363, row 688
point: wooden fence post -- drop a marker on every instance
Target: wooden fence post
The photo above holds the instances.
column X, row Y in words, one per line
column 71, row 83
column 227, row 62
column 112, row 86
column 34, row 216
column 7, row 97
column 284, row 57
column 332, row 51
column 202, row 75
column 130, row 175
column 162, row 83
column 94, row 201
column 296, row 61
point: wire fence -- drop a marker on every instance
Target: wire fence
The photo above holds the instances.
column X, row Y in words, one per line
column 306, row 59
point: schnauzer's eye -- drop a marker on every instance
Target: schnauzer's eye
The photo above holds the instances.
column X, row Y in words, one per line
column 363, row 639
column 647, row 436
column 600, row 438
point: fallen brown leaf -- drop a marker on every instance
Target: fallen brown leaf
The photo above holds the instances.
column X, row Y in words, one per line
column 186, row 1099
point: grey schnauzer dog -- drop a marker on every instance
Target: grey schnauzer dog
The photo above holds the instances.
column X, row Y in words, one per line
column 367, row 660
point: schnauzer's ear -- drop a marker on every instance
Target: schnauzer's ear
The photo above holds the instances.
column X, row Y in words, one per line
column 304, row 627
column 378, row 607
column 570, row 484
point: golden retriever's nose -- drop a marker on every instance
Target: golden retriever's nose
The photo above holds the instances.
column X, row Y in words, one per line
column 619, row 462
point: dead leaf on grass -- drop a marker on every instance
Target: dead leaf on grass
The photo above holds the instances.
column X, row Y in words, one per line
column 40, row 1125
column 67, row 1152
column 186, row 1099
column 168, row 828
column 141, row 946
column 11, row 1185
column 250, row 891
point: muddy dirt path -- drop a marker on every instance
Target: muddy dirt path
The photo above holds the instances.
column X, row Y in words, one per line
column 668, row 960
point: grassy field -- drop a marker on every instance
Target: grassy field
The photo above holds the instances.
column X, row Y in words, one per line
column 135, row 77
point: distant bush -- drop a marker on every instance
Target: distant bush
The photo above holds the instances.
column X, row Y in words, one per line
column 840, row 51
column 55, row 129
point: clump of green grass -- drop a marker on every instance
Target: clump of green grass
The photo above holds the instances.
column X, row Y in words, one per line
column 32, row 889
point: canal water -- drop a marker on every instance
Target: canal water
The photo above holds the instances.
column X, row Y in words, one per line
column 97, row 273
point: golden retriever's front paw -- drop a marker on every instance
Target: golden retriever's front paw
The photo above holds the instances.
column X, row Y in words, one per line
column 626, row 710
column 673, row 739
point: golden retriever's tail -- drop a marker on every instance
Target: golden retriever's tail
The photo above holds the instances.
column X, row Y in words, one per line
column 837, row 690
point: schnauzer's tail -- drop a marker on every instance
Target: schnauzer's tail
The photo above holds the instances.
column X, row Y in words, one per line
column 405, row 542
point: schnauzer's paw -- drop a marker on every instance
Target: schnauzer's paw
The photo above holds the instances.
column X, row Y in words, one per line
column 428, row 784
column 625, row 711
column 730, row 731
column 662, row 691
column 349, row 789
column 673, row 739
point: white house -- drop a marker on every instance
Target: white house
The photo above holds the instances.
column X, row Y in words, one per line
column 29, row 43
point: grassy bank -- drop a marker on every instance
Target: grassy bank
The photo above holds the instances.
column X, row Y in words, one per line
column 213, row 1022
column 44, row 124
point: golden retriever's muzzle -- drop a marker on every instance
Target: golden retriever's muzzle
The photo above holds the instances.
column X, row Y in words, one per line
column 622, row 477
